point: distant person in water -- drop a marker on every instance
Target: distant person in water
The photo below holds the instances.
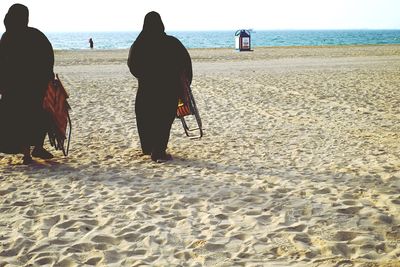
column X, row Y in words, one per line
column 26, row 67
column 91, row 43
column 158, row 61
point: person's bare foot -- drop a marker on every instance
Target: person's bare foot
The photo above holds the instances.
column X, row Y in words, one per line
column 40, row 152
column 26, row 160
column 163, row 158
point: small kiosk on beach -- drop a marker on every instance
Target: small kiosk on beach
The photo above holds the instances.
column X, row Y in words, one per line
column 242, row 40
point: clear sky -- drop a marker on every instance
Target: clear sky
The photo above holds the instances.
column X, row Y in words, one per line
column 127, row 15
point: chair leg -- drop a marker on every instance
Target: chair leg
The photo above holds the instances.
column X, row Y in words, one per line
column 185, row 127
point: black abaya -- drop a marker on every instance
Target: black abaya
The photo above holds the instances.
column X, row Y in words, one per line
column 157, row 61
column 26, row 67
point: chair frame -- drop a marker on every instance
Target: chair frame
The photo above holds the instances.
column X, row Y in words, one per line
column 59, row 139
column 193, row 112
column 58, row 142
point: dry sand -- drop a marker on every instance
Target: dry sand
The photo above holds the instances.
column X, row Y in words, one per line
column 299, row 166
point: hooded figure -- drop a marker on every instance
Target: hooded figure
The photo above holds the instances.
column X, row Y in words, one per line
column 26, row 67
column 158, row 61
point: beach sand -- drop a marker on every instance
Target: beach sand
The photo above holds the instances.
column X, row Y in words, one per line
column 299, row 166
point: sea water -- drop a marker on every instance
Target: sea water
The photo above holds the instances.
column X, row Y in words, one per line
column 226, row 39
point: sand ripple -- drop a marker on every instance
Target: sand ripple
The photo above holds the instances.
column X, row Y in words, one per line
column 299, row 166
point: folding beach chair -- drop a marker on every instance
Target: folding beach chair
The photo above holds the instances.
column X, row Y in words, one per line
column 187, row 107
column 56, row 105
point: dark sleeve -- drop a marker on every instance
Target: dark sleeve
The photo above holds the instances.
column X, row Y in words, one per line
column 187, row 64
column 185, row 60
column 41, row 70
column 45, row 56
column 1, row 66
column 130, row 60
column 49, row 59
column 133, row 59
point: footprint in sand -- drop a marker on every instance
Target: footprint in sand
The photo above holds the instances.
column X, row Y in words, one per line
column 90, row 222
column 132, row 228
column 396, row 201
column 130, row 237
column 198, row 244
column 221, row 217
column 9, row 252
column 302, row 237
column 30, row 213
column 45, row 261
column 183, row 255
column 138, row 252
column 93, row 261
column 345, row 235
column 350, row 210
column 224, row 226
column 66, row 262
column 264, row 219
column 147, row 229
column 136, row 199
column 294, row 228
column 212, row 247
column 7, row 191
column 253, row 212
column 349, row 202
column 80, row 247
column 230, row 208
column 106, row 239
column 241, row 237
column 345, row 263
column 50, row 221
column 66, row 224
column 20, row 203
column 323, row 191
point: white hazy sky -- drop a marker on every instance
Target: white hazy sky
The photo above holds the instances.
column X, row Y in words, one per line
column 127, row 15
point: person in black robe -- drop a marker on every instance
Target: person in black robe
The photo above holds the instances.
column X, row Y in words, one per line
column 158, row 61
column 26, row 67
column 91, row 43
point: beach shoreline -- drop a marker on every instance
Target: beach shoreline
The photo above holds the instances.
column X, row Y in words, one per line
column 299, row 166
column 341, row 50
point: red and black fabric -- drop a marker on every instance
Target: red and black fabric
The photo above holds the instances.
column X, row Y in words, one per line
column 184, row 101
column 56, row 105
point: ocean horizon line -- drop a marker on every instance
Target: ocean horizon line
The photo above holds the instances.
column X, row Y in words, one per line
column 221, row 48
column 227, row 30
column 226, row 39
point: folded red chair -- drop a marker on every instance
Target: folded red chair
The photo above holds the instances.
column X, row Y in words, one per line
column 187, row 107
column 56, row 105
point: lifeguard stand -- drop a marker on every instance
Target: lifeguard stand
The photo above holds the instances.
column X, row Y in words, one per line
column 243, row 40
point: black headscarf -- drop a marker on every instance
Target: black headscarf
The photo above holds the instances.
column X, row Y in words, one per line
column 17, row 18
column 153, row 28
column 156, row 54
column 153, row 24
column 24, row 52
column 26, row 67
column 148, row 50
